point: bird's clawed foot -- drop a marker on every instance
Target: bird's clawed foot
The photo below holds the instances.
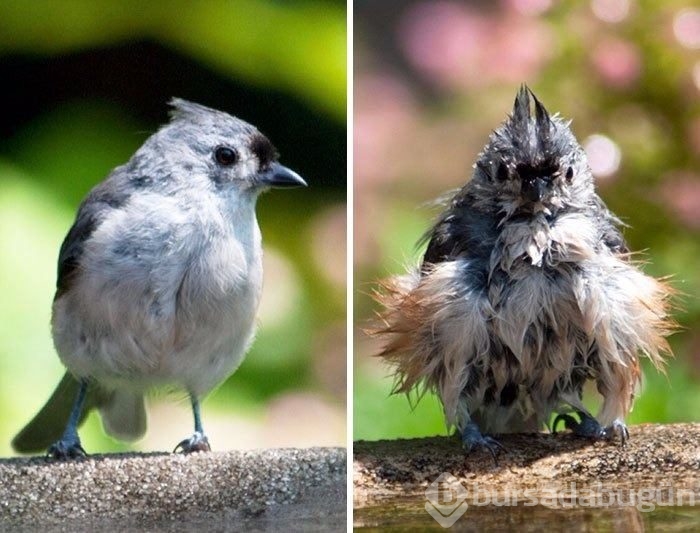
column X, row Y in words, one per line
column 472, row 438
column 590, row 428
column 66, row 448
column 196, row 443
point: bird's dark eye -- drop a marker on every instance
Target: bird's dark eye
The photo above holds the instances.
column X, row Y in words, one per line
column 502, row 172
column 569, row 173
column 226, row 156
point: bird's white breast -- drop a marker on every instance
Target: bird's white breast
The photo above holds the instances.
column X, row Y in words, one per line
column 167, row 293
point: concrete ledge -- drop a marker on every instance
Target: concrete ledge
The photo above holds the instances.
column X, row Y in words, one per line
column 656, row 456
column 266, row 489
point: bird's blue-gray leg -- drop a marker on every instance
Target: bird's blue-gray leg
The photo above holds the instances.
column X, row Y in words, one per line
column 198, row 442
column 68, row 446
column 472, row 438
column 590, row 428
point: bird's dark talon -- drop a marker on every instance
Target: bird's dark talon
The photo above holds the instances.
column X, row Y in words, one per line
column 196, row 443
column 66, row 449
column 617, row 429
column 472, row 438
column 493, row 446
column 590, row 428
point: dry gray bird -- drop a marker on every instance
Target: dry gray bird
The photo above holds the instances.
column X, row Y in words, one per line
column 159, row 279
column 526, row 291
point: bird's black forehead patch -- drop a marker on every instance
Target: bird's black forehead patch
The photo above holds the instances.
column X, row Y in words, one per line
column 263, row 149
column 528, row 171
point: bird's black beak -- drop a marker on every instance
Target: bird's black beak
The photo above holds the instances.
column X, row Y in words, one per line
column 534, row 189
column 280, row 176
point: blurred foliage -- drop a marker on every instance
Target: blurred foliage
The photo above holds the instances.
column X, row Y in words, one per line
column 89, row 81
column 296, row 46
column 432, row 79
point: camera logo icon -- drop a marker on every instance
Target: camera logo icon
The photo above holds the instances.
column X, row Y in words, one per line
column 446, row 499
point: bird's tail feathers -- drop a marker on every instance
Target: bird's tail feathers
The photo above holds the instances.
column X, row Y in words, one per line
column 48, row 424
column 124, row 415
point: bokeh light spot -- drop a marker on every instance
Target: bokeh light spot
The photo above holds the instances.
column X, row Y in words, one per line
column 604, row 155
column 686, row 28
column 617, row 62
column 612, row 11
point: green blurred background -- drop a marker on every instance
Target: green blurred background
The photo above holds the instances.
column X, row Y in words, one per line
column 432, row 79
column 84, row 83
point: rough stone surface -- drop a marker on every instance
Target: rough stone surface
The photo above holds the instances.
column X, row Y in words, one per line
column 655, row 456
column 290, row 489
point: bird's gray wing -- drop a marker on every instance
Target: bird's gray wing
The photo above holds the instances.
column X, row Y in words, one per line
column 462, row 231
column 112, row 193
column 610, row 233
